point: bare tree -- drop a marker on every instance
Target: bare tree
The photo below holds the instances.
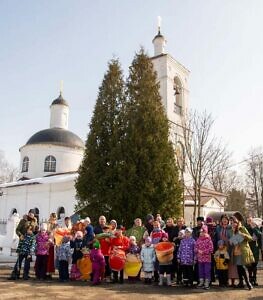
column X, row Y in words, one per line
column 221, row 178
column 255, row 179
column 203, row 153
column 8, row 173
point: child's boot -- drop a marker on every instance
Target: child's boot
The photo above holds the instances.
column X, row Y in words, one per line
column 168, row 280
column 201, row 283
column 161, row 280
column 207, row 284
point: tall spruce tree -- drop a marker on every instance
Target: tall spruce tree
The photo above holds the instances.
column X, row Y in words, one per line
column 150, row 176
column 98, row 174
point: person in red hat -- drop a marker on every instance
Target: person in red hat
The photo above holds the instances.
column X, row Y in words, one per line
column 120, row 242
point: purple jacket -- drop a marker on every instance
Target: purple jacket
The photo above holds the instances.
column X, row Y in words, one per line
column 186, row 252
column 97, row 258
column 42, row 240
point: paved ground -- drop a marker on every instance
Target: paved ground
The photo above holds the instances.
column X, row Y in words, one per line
column 83, row 290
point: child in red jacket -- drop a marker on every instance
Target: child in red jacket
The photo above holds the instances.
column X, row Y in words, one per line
column 119, row 242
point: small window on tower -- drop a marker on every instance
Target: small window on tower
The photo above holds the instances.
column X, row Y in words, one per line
column 25, row 164
column 178, row 96
column 50, row 164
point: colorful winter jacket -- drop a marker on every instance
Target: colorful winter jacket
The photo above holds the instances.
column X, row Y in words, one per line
column 42, row 243
column 63, row 252
column 222, row 259
column 186, row 253
column 97, row 257
column 204, row 248
column 122, row 242
column 27, row 245
column 148, row 258
column 134, row 249
column 157, row 235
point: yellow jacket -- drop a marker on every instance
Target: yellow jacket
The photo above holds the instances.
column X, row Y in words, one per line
column 221, row 259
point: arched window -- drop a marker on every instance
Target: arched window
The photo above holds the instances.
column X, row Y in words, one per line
column 25, row 164
column 61, row 212
column 178, row 103
column 50, row 164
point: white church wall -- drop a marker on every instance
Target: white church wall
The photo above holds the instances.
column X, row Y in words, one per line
column 47, row 197
column 67, row 159
column 59, row 116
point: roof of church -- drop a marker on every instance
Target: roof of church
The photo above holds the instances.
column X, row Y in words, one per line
column 56, row 136
column 60, row 100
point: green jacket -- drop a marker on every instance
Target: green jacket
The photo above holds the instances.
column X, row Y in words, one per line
column 255, row 245
column 247, row 255
column 23, row 224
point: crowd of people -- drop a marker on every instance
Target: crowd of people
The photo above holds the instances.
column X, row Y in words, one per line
column 226, row 251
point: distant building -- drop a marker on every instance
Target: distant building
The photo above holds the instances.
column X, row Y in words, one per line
column 48, row 169
column 211, row 201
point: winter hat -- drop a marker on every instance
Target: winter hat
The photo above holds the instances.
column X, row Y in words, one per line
column 188, row 229
column 209, row 220
column 132, row 237
column 182, row 232
column 114, row 222
column 87, row 220
column 148, row 240
column 43, row 227
column 96, row 244
column 204, row 229
column 31, row 211
column 220, row 242
column 149, row 217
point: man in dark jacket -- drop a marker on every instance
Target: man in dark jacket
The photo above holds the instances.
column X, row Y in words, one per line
column 28, row 220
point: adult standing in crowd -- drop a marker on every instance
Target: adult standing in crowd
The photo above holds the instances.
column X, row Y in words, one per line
column 28, row 220
column 148, row 225
column 160, row 220
column 197, row 229
column 51, row 226
column 137, row 230
column 255, row 246
column 102, row 223
column 224, row 232
column 242, row 255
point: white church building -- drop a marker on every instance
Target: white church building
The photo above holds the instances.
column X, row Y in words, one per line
column 48, row 169
column 51, row 157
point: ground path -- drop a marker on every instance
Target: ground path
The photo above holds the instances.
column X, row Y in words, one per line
column 33, row 289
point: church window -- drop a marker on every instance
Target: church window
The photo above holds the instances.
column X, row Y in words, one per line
column 50, row 164
column 25, row 164
column 178, row 96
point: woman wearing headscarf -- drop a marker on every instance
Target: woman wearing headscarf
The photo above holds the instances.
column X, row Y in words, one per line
column 241, row 255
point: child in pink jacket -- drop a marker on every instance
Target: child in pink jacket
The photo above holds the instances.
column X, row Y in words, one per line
column 203, row 250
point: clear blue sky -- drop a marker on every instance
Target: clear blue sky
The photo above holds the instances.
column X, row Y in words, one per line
column 42, row 42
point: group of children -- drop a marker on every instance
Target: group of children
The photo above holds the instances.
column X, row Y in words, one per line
column 190, row 254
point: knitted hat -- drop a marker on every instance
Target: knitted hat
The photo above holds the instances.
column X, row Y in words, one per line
column 182, row 232
column 43, row 227
column 96, row 244
column 149, row 217
column 220, row 242
column 209, row 220
column 31, row 211
column 87, row 220
column 148, row 240
column 188, row 229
